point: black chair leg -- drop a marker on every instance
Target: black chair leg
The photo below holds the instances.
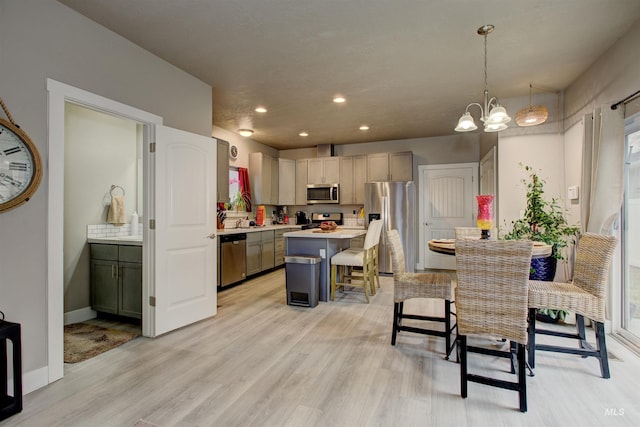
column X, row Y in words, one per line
column 462, row 346
column 602, row 350
column 396, row 314
column 522, row 378
column 532, row 338
column 447, row 328
column 581, row 333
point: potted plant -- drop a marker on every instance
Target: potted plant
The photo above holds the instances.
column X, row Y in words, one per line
column 543, row 221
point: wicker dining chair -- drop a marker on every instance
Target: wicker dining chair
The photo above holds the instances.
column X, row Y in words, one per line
column 343, row 263
column 419, row 285
column 585, row 296
column 491, row 301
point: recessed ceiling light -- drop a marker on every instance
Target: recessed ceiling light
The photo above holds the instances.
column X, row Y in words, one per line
column 261, row 110
column 303, row 133
column 245, row 132
column 364, row 127
column 339, row 99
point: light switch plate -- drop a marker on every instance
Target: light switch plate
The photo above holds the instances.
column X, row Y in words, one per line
column 573, row 192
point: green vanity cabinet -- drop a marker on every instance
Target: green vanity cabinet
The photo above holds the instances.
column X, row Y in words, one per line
column 116, row 279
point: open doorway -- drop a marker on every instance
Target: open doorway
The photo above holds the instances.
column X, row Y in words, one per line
column 103, row 153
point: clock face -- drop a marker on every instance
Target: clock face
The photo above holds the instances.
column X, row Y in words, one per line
column 20, row 167
column 233, row 151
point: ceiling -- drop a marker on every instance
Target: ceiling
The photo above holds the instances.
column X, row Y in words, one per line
column 407, row 68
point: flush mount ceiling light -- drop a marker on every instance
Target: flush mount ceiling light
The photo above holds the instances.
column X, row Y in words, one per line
column 303, row 133
column 245, row 132
column 492, row 114
column 364, row 127
column 261, row 109
column 532, row 115
column 339, row 99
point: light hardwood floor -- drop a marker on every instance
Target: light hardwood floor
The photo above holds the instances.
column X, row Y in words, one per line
column 260, row 362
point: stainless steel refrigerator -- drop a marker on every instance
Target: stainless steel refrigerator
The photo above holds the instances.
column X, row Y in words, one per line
column 395, row 204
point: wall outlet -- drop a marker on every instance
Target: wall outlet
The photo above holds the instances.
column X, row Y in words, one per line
column 323, row 253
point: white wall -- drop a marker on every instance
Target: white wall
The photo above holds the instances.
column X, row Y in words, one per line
column 545, row 153
column 42, row 39
column 100, row 151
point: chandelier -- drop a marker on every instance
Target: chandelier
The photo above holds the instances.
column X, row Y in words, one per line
column 492, row 114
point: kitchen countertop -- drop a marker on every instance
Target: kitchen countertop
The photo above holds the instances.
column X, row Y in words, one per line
column 339, row 233
column 255, row 229
column 121, row 240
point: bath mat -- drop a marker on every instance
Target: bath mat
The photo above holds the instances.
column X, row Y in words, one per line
column 83, row 341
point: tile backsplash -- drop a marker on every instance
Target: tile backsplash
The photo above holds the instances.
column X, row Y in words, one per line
column 109, row 230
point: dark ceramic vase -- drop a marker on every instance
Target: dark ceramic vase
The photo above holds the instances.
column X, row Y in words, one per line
column 543, row 268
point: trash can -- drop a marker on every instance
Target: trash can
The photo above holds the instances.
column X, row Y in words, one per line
column 303, row 277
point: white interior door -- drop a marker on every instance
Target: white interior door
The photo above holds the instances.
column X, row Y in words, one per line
column 447, row 200
column 185, row 249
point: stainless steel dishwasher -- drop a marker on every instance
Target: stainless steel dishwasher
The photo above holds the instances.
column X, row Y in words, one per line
column 233, row 252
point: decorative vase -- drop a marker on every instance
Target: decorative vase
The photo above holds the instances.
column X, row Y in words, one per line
column 485, row 214
column 543, row 268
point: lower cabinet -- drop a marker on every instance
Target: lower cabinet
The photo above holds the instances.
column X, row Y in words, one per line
column 116, row 279
column 260, row 251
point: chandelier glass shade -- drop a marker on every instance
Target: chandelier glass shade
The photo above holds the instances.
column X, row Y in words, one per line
column 532, row 115
column 492, row 114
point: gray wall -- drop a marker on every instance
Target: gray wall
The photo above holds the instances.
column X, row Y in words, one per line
column 42, row 39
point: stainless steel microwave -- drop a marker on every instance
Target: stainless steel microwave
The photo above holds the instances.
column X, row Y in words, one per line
column 323, row 193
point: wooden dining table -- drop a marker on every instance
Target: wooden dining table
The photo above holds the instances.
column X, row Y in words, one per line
column 448, row 247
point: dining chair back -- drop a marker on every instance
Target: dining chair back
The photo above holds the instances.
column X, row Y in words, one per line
column 419, row 285
column 585, row 296
column 491, row 301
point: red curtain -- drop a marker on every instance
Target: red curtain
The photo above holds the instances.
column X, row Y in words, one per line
column 243, row 178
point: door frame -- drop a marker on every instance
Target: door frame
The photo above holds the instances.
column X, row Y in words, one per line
column 58, row 94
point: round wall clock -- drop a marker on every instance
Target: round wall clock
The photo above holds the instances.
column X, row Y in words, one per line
column 233, row 152
column 20, row 165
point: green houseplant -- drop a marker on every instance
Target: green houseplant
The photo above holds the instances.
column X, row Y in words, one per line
column 543, row 221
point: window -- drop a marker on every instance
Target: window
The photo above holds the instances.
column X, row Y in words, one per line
column 235, row 196
column 631, row 231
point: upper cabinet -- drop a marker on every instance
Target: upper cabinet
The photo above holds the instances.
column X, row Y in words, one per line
column 263, row 179
column 323, row 170
column 301, row 181
column 390, row 166
column 222, row 171
column 353, row 175
column 287, row 182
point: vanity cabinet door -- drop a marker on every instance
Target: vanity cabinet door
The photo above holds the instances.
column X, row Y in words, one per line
column 130, row 289
column 104, row 286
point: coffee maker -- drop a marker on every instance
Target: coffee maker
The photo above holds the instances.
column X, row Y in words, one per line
column 301, row 218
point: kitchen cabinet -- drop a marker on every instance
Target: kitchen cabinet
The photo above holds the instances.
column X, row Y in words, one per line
column 116, row 279
column 222, row 171
column 286, row 182
column 390, row 166
column 301, row 181
column 260, row 251
column 263, row 179
column 323, row 170
column 353, row 175
column 280, row 246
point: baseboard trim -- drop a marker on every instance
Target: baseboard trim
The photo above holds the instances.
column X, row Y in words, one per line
column 32, row 380
column 79, row 315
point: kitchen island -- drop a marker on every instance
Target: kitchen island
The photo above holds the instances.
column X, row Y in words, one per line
column 314, row 242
